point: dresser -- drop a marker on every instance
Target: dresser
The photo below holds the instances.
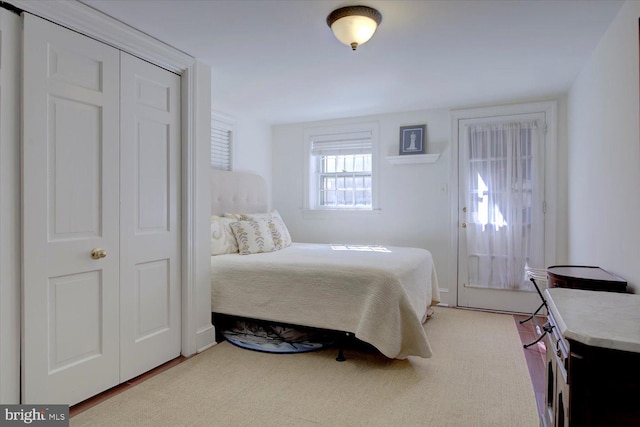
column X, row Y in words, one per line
column 585, row 277
column 592, row 360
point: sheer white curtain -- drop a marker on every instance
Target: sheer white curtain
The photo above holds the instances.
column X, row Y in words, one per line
column 504, row 187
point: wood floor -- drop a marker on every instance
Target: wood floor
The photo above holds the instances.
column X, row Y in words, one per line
column 535, row 356
column 93, row 401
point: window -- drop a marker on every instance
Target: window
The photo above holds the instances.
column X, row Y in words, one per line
column 341, row 172
column 221, row 141
column 501, row 154
column 345, row 180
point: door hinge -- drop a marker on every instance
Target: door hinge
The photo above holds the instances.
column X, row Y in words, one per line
column 544, row 207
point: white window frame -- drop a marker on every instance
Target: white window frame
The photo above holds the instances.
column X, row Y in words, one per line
column 311, row 204
column 226, row 123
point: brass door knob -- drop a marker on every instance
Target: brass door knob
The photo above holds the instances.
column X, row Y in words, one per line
column 97, row 253
column 463, row 225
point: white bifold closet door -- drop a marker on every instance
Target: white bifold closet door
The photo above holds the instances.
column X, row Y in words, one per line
column 101, row 227
column 149, row 216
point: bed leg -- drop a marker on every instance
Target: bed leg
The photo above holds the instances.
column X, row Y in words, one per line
column 342, row 339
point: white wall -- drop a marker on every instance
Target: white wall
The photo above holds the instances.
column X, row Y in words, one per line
column 251, row 150
column 252, row 146
column 414, row 206
column 604, row 153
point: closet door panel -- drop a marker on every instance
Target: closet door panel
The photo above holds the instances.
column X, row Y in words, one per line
column 74, row 186
column 70, row 207
column 153, row 174
column 150, row 222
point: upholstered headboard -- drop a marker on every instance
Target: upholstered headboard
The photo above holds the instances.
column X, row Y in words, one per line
column 237, row 192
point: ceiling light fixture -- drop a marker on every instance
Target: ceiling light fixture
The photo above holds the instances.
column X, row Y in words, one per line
column 354, row 25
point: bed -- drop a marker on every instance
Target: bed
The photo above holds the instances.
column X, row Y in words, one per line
column 380, row 294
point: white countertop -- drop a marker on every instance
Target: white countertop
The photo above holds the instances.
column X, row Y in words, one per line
column 599, row 319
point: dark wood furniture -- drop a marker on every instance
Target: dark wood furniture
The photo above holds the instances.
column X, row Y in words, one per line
column 584, row 277
column 592, row 359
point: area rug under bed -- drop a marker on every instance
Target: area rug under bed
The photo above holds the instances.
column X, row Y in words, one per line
column 270, row 338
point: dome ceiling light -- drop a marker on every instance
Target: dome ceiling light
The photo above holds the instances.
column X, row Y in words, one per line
column 354, row 25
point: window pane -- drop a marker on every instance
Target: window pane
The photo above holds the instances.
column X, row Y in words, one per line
column 329, row 183
column 345, row 181
column 358, row 164
column 348, row 182
column 361, row 198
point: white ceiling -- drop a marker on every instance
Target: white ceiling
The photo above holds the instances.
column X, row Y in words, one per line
column 277, row 60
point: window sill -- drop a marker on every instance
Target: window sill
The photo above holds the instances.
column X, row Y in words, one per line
column 413, row 158
column 337, row 213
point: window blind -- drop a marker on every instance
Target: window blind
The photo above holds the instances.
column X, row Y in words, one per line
column 342, row 144
column 220, row 146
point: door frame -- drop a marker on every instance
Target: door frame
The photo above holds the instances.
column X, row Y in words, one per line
column 10, row 219
column 198, row 333
column 550, row 110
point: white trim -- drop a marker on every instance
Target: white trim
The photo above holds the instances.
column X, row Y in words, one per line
column 200, row 304
column 413, row 159
column 550, row 110
column 10, row 246
column 92, row 23
column 224, row 118
column 338, row 213
column 189, row 243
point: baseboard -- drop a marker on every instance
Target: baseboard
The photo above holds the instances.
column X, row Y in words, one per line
column 205, row 338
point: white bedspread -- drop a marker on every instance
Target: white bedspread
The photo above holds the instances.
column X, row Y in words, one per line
column 381, row 294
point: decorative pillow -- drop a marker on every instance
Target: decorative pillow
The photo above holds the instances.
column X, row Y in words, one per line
column 235, row 216
column 279, row 231
column 223, row 241
column 282, row 227
column 253, row 237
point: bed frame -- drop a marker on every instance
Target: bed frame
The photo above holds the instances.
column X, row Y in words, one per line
column 237, row 192
column 233, row 192
column 341, row 339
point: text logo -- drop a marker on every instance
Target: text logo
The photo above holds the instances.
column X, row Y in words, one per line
column 34, row 415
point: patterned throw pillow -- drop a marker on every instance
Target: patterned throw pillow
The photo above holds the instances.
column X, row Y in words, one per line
column 281, row 228
column 279, row 231
column 223, row 241
column 253, row 237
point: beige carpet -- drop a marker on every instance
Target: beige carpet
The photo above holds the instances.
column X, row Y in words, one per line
column 476, row 377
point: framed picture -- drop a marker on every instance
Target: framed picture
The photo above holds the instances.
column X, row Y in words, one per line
column 412, row 139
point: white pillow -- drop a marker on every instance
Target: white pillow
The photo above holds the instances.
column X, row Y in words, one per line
column 253, row 237
column 279, row 231
column 223, row 241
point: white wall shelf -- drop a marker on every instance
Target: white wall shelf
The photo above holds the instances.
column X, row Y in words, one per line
column 413, row 158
